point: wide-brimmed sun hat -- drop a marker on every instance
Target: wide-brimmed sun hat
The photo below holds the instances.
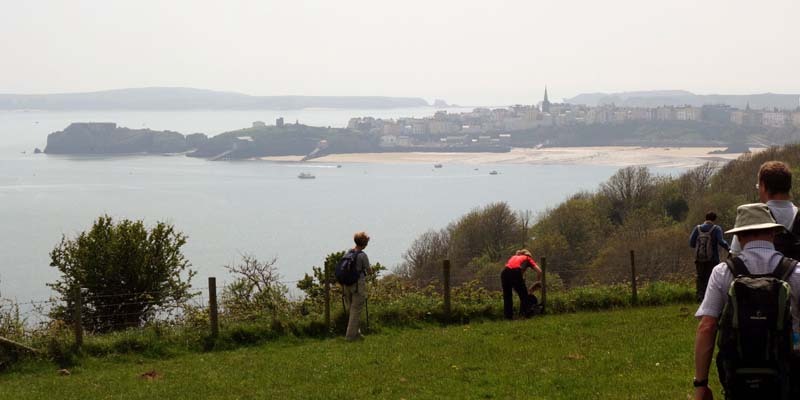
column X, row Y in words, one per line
column 751, row 217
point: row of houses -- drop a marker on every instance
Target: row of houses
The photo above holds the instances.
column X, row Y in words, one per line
column 520, row 118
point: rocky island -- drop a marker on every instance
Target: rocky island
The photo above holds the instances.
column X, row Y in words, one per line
column 108, row 138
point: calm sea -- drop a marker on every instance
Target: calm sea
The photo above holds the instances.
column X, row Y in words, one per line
column 232, row 208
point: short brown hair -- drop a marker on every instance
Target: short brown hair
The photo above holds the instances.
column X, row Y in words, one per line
column 361, row 239
column 776, row 177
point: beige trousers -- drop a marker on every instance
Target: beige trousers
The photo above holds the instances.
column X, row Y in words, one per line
column 354, row 297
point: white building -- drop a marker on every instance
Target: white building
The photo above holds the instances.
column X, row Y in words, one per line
column 775, row 119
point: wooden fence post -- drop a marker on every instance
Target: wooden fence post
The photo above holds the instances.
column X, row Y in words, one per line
column 77, row 316
column 544, row 283
column 634, row 294
column 446, row 288
column 327, row 302
column 212, row 306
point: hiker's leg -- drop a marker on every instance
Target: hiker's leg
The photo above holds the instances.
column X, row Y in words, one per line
column 703, row 274
column 359, row 294
column 522, row 292
column 508, row 299
column 347, row 297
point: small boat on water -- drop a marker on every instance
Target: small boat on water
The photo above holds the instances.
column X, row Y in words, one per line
column 305, row 175
column 493, row 172
column 437, row 165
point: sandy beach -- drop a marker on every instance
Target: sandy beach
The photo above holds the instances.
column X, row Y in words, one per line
column 676, row 157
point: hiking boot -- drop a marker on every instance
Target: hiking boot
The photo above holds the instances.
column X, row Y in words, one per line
column 358, row 338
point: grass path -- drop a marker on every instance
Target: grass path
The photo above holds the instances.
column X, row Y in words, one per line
column 643, row 353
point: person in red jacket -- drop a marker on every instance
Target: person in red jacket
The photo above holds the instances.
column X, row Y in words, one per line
column 512, row 278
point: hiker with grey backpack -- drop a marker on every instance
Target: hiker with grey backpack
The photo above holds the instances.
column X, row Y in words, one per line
column 706, row 239
column 750, row 307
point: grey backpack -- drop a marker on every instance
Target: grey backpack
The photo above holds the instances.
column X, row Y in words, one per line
column 704, row 247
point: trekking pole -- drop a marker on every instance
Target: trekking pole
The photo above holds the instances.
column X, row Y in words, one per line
column 366, row 308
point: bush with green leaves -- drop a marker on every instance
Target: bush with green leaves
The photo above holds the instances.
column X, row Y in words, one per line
column 126, row 273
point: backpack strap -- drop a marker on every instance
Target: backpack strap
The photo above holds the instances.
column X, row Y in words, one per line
column 737, row 267
column 785, row 268
column 796, row 223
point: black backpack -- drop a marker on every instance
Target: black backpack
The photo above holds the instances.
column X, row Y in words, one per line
column 788, row 242
column 755, row 333
column 347, row 272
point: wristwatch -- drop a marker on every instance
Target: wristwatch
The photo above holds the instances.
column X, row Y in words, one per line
column 700, row 383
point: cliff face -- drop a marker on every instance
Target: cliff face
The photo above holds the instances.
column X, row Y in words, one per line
column 107, row 138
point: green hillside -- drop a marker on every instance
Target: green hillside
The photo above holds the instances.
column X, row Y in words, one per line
column 642, row 353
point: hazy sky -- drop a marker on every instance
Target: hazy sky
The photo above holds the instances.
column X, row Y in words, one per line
column 490, row 52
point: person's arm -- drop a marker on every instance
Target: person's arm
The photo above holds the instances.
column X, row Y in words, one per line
column 363, row 261
column 703, row 353
column 693, row 238
column 721, row 239
column 538, row 270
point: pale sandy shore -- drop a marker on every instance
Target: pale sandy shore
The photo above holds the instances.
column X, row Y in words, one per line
column 677, row 157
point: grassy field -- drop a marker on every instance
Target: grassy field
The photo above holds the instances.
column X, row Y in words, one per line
column 642, row 353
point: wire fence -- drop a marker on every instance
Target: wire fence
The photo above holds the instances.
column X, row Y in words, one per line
column 106, row 312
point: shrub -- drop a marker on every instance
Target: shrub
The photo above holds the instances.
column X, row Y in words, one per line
column 126, row 273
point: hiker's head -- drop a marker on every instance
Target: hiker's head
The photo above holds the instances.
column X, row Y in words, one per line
column 524, row 252
column 361, row 239
column 774, row 181
column 755, row 222
column 711, row 216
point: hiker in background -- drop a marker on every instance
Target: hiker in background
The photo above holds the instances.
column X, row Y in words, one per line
column 774, row 184
column 706, row 239
column 512, row 278
column 354, row 289
column 745, row 369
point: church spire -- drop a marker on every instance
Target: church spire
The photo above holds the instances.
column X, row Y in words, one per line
column 546, row 101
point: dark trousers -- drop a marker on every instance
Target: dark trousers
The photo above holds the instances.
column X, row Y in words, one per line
column 511, row 279
column 704, row 269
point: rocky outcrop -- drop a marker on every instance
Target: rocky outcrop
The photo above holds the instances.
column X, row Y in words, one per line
column 108, row 138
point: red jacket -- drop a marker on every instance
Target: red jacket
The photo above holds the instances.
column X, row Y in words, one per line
column 516, row 261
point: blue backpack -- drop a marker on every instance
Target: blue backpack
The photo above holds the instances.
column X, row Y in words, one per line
column 346, row 271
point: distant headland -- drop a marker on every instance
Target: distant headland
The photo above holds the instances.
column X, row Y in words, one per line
column 172, row 98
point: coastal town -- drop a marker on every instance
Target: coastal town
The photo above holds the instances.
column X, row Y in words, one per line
column 481, row 130
column 495, row 126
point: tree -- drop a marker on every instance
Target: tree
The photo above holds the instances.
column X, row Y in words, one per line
column 423, row 260
column 627, row 189
column 125, row 272
column 476, row 241
column 570, row 234
column 256, row 288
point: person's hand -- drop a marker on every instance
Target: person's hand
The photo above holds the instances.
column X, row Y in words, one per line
column 703, row 393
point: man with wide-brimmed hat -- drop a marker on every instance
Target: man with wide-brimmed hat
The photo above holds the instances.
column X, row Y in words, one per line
column 755, row 228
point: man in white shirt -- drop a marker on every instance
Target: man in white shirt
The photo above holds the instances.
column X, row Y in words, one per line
column 756, row 229
column 774, row 185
